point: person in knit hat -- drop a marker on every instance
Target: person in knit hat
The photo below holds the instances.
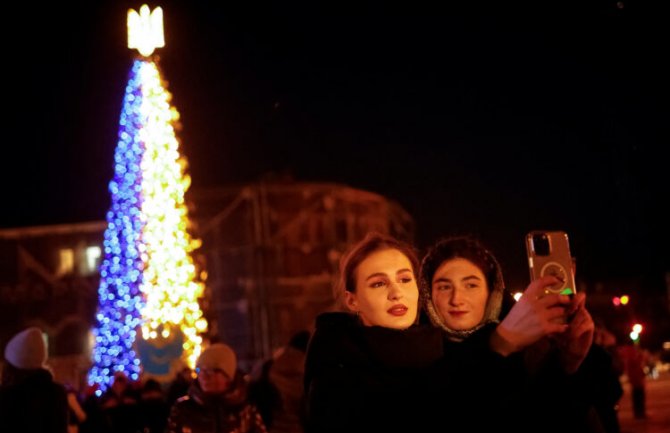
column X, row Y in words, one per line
column 27, row 349
column 30, row 400
column 217, row 400
column 216, row 358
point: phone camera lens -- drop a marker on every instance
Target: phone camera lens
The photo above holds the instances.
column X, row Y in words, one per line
column 541, row 244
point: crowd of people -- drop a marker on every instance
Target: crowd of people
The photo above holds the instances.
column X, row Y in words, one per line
column 416, row 344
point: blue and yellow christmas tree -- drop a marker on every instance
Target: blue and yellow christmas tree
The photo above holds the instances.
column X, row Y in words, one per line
column 149, row 285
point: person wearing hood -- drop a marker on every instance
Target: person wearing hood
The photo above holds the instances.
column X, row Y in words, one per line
column 217, row 399
column 30, row 400
column 374, row 368
column 463, row 294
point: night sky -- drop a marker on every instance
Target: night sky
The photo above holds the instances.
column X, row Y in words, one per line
column 485, row 120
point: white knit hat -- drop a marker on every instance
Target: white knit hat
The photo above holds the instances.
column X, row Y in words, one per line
column 27, row 349
column 220, row 356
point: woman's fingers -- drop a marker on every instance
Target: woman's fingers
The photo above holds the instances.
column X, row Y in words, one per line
column 537, row 288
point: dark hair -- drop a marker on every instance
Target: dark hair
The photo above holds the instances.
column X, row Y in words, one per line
column 152, row 385
column 372, row 242
column 299, row 340
column 463, row 247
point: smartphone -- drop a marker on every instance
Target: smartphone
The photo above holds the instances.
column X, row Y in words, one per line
column 549, row 254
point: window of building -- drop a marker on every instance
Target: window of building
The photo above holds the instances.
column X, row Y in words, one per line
column 65, row 261
column 92, row 259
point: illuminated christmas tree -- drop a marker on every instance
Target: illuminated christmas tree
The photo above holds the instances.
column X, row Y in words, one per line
column 149, row 285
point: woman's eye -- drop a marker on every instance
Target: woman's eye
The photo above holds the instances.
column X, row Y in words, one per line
column 471, row 286
column 443, row 287
column 406, row 280
column 376, row 284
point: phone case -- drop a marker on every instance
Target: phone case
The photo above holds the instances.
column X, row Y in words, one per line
column 549, row 254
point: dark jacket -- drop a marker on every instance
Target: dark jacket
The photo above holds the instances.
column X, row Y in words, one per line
column 202, row 413
column 364, row 379
column 33, row 403
column 287, row 374
column 585, row 400
column 531, row 383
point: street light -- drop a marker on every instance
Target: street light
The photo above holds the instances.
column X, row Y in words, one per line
column 636, row 331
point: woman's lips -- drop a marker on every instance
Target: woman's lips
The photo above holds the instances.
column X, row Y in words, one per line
column 458, row 313
column 397, row 310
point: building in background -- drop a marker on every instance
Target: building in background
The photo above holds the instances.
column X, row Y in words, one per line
column 49, row 278
column 272, row 252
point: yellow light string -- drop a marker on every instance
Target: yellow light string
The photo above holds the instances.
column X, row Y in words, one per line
column 170, row 283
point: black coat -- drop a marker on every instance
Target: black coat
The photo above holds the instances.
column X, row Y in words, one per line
column 33, row 403
column 553, row 401
column 365, row 379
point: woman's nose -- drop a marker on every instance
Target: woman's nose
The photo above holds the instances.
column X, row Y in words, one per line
column 456, row 297
column 395, row 292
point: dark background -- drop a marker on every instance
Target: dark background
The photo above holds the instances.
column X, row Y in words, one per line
column 490, row 120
